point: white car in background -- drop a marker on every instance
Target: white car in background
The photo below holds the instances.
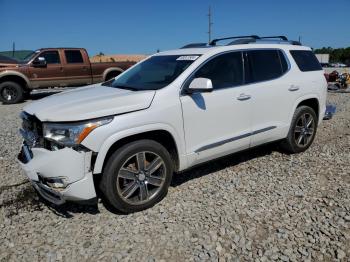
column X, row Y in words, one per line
column 172, row 111
column 338, row 65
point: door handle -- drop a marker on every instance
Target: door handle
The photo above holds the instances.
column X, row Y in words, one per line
column 243, row 97
column 293, row 88
column 84, row 68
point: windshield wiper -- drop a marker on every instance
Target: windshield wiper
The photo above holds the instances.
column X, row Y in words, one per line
column 110, row 84
column 126, row 87
column 132, row 88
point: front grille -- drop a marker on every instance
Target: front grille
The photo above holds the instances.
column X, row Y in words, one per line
column 25, row 155
column 32, row 130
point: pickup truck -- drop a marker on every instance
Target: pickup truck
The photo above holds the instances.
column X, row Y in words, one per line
column 53, row 67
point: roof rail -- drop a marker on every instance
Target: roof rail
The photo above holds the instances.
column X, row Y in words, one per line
column 293, row 42
column 242, row 41
column 193, row 45
column 213, row 42
column 282, row 37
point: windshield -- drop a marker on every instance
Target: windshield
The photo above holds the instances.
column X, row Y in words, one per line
column 30, row 56
column 153, row 73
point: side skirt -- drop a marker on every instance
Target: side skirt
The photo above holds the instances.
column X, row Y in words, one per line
column 216, row 144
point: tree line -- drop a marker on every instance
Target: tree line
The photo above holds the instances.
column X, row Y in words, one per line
column 335, row 54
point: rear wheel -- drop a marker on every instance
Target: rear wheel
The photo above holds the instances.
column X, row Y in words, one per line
column 302, row 130
column 11, row 93
column 137, row 176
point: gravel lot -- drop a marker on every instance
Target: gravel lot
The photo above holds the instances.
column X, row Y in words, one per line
column 259, row 205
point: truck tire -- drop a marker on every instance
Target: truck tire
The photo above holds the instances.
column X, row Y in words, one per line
column 302, row 130
column 11, row 92
column 137, row 176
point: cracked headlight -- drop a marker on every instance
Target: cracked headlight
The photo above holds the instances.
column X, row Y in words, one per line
column 71, row 134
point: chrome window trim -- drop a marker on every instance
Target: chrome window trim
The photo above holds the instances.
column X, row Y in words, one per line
column 185, row 83
column 272, row 79
column 243, row 51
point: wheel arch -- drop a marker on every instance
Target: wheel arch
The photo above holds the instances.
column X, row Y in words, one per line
column 111, row 70
column 309, row 100
column 162, row 136
column 16, row 77
column 313, row 103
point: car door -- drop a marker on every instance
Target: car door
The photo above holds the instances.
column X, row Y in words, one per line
column 77, row 70
column 218, row 122
column 275, row 93
column 49, row 75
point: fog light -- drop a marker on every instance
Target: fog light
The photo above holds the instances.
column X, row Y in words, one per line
column 54, row 182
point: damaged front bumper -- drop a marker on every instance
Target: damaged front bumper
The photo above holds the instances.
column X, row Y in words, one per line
column 59, row 176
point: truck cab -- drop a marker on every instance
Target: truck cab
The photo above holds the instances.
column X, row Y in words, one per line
column 53, row 67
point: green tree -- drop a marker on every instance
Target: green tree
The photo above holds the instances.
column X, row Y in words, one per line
column 335, row 54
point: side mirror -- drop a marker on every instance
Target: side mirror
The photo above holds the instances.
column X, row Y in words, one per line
column 39, row 62
column 200, row 85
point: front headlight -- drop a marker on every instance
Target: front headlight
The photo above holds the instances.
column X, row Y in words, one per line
column 71, row 134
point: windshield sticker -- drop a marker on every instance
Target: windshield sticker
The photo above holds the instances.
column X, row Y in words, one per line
column 188, row 57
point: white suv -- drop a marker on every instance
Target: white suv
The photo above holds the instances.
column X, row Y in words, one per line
column 174, row 110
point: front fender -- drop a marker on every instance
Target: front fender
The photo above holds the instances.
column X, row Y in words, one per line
column 110, row 141
column 15, row 73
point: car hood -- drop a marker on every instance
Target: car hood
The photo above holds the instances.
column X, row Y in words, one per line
column 89, row 102
column 8, row 64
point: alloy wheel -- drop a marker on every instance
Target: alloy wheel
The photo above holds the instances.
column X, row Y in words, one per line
column 9, row 93
column 304, row 130
column 141, row 177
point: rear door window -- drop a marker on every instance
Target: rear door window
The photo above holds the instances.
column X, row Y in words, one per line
column 225, row 70
column 73, row 56
column 264, row 65
column 306, row 60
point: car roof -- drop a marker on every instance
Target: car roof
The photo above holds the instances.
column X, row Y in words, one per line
column 56, row 48
column 223, row 48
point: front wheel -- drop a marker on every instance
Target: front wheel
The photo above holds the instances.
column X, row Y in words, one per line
column 11, row 93
column 137, row 176
column 302, row 130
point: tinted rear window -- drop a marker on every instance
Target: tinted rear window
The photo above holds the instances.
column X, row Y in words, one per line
column 73, row 56
column 265, row 65
column 306, row 60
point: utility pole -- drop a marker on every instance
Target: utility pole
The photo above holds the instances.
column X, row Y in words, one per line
column 210, row 23
column 13, row 49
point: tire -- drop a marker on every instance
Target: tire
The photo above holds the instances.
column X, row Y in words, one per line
column 11, row 93
column 26, row 94
column 130, row 187
column 302, row 130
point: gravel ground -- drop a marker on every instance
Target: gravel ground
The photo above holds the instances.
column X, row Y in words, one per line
column 259, row 205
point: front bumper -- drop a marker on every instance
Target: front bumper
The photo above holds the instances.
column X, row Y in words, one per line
column 75, row 166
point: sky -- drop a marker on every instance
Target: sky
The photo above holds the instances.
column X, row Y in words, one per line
column 143, row 27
